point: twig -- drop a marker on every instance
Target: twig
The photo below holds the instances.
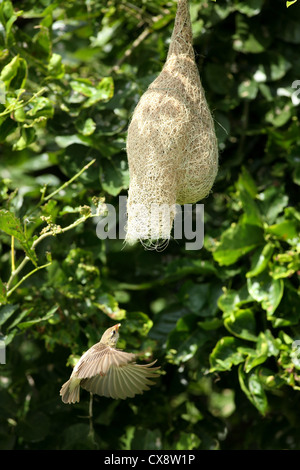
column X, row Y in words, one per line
column 10, row 109
column 133, row 46
column 138, row 40
column 68, row 182
column 26, row 277
column 12, row 253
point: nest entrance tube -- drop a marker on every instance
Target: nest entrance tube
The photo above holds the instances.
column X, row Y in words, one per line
column 171, row 144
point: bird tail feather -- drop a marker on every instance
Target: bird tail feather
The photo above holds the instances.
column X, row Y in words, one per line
column 70, row 391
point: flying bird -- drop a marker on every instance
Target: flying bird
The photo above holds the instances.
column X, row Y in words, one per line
column 107, row 371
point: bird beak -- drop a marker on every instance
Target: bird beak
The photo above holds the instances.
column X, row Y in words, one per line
column 118, row 326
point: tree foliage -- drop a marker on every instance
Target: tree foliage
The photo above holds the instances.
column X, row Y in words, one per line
column 221, row 321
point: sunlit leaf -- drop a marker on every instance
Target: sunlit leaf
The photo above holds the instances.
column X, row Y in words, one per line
column 226, row 354
column 236, row 241
column 242, row 324
column 263, row 288
column 11, row 225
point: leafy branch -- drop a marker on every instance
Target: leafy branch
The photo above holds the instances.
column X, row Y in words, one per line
column 12, row 226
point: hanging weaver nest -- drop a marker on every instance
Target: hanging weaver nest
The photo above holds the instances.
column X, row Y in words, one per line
column 171, row 145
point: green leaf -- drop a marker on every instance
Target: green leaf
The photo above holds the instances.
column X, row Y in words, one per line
column 114, row 175
column 185, row 340
column 19, row 80
column 42, row 43
column 279, row 113
column 19, row 318
column 165, row 322
column 27, row 324
column 287, row 231
column 7, row 17
column 253, row 389
column 272, row 202
column 193, row 296
column 226, row 354
column 266, row 346
column 27, row 137
column 104, row 91
column 163, row 21
column 65, row 141
column 247, row 183
column 56, row 68
column 87, row 127
column 270, row 380
column 246, row 192
column 11, row 225
column 210, row 324
column 187, row 441
column 82, row 86
column 200, row 299
column 7, row 127
column 138, row 323
column 40, row 106
column 288, row 312
column 260, row 260
column 288, row 4
column 242, row 324
column 266, row 290
column 231, row 299
column 6, row 312
column 248, row 89
column 9, row 71
column 108, row 304
column 236, row 241
column 251, row 214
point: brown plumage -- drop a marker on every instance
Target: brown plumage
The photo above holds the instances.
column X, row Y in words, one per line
column 107, row 371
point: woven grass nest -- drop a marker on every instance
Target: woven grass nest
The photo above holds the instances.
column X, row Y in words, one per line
column 171, row 144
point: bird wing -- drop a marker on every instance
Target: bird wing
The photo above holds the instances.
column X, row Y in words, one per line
column 98, row 360
column 123, row 381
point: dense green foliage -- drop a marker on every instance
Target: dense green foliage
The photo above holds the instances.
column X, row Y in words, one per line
column 222, row 320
